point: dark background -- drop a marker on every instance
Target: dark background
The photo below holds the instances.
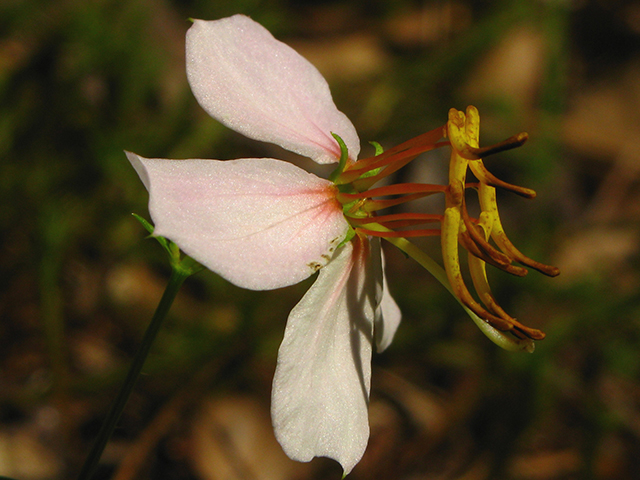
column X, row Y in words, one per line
column 80, row 81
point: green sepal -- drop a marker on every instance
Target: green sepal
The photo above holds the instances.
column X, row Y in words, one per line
column 375, row 171
column 166, row 244
column 350, row 234
column 347, row 207
column 344, row 155
column 184, row 264
column 146, row 224
column 378, row 147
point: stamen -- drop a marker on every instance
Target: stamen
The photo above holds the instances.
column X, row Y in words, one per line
column 454, row 274
column 384, row 223
column 476, row 242
column 360, row 202
column 425, row 139
column 473, row 248
column 401, row 154
column 478, row 273
column 375, row 205
column 393, row 164
column 515, row 341
column 475, row 153
column 480, row 171
column 397, row 189
column 505, row 245
column 477, row 269
column 388, row 158
column 458, row 227
column 399, row 234
column 506, row 324
column 399, row 220
column 488, row 203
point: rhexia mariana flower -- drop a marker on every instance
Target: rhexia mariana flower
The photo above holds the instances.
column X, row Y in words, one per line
column 263, row 223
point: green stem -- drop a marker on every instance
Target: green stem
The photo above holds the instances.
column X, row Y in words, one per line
column 176, row 280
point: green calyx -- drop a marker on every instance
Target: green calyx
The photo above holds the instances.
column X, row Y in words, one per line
column 375, row 171
column 342, row 163
column 344, row 155
column 183, row 264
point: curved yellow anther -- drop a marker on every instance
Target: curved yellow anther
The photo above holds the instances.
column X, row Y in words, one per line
column 463, row 131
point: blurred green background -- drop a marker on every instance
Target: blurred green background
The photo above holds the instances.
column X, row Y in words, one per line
column 80, row 81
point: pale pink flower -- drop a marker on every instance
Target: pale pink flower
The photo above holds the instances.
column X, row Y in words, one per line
column 263, row 223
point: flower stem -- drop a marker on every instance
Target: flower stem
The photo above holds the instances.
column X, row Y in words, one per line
column 178, row 276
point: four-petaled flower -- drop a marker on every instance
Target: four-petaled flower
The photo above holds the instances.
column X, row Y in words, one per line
column 263, row 223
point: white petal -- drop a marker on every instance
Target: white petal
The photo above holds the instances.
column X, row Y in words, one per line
column 388, row 314
column 388, row 320
column 259, row 223
column 322, row 381
column 264, row 89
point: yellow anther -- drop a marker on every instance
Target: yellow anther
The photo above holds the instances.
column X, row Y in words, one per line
column 463, row 130
column 362, row 202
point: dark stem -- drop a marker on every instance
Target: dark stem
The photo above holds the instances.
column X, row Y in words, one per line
column 176, row 280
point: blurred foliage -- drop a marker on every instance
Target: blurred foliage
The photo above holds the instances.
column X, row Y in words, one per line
column 81, row 81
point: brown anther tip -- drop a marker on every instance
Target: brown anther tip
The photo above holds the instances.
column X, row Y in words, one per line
column 508, row 144
column 521, row 137
column 549, row 270
column 532, row 333
column 521, row 191
column 521, row 331
column 498, row 323
column 516, row 270
column 540, row 335
column 500, row 320
column 486, row 177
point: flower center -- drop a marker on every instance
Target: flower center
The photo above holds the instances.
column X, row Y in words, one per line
column 362, row 206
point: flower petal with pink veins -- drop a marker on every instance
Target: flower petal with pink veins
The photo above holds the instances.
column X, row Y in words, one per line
column 322, row 381
column 259, row 223
column 258, row 86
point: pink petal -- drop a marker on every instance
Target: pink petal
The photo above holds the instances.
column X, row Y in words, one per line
column 322, row 381
column 259, row 223
column 262, row 88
